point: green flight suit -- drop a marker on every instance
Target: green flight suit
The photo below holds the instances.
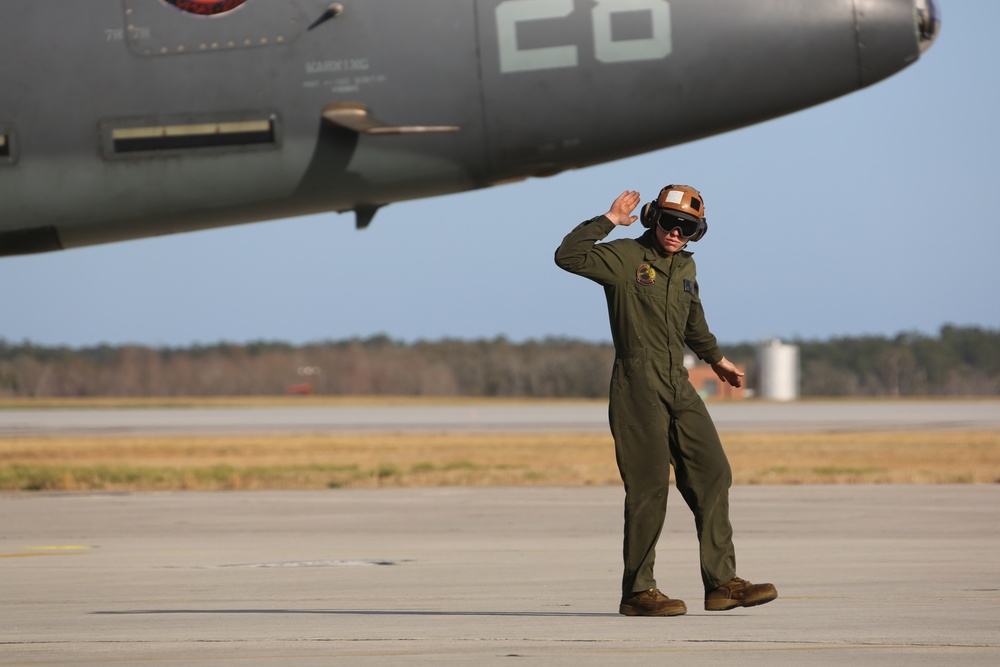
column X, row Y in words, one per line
column 657, row 418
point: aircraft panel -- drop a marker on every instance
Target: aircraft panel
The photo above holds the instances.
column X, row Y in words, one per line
column 408, row 65
column 177, row 27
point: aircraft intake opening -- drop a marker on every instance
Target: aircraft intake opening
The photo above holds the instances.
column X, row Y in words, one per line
column 29, row 241
column 192, row 136
column 4, row 146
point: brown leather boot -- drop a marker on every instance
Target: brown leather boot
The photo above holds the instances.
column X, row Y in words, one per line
column 739, row 593
column 651, row 603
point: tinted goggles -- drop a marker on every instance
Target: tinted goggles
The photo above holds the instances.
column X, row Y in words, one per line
column 668, row 222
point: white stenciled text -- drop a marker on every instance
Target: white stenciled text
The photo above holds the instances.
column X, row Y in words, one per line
column 513, row 58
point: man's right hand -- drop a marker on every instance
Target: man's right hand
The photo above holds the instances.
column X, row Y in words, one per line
column 621, row 209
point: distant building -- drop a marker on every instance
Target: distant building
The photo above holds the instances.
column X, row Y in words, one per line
column 778, row 370
column 707, row 383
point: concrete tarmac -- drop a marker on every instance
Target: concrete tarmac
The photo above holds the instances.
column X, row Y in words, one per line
column 533, row 416
column 867, row 575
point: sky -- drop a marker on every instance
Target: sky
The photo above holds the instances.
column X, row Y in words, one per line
column 888, row 222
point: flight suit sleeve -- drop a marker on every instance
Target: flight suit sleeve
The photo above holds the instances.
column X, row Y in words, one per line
column 581, row 254
column 697, row 335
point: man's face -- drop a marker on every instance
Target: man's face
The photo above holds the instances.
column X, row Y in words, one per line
column 671, row 241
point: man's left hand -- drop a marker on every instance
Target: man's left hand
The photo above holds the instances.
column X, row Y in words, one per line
column 727, row 372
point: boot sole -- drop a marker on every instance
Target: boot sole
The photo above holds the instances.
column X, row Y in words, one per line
column 726, row 605
column 632, row 611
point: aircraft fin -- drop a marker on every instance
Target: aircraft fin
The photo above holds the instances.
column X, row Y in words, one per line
column 356, row 117
column 363, row 214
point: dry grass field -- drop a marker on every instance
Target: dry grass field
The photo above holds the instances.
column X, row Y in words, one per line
column 332, row 461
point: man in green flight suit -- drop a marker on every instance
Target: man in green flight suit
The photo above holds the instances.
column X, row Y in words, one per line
column 657, row 418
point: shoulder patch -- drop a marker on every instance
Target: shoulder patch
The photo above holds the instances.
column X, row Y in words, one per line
column 645, row 274
column 691, row 286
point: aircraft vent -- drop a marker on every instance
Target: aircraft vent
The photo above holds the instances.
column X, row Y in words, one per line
column 8, row 145
column 130, row 136
column 29, row 241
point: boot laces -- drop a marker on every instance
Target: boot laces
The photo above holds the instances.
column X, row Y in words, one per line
column 738, row 583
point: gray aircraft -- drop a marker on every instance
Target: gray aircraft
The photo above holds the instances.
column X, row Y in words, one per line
column 123, row 119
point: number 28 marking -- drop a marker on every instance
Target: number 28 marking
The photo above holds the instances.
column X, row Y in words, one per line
column 514, row 59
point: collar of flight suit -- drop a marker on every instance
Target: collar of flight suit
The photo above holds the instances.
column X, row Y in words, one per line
column 654, row 255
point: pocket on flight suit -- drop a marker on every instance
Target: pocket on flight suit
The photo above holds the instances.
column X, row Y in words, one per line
column 632, row 395
column 625, row 367
column 645, row 303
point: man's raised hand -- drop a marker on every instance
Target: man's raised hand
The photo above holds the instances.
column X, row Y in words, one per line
column 621, row 209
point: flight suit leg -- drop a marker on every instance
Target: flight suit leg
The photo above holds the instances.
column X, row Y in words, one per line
column 639, row 424
column 703, row 477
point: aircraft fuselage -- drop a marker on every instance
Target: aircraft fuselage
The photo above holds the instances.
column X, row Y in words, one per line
column 125, row 119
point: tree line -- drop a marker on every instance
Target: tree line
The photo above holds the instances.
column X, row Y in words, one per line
column 959, row 361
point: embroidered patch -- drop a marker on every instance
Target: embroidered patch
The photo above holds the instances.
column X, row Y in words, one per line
column 645, row 274
column 689, row 286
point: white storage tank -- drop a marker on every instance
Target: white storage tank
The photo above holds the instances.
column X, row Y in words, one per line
column 778, row 366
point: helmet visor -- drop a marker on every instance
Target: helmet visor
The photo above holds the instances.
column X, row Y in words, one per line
column 667, row 221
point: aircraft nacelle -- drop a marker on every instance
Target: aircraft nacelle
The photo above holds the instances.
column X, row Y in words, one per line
column 124, row 119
